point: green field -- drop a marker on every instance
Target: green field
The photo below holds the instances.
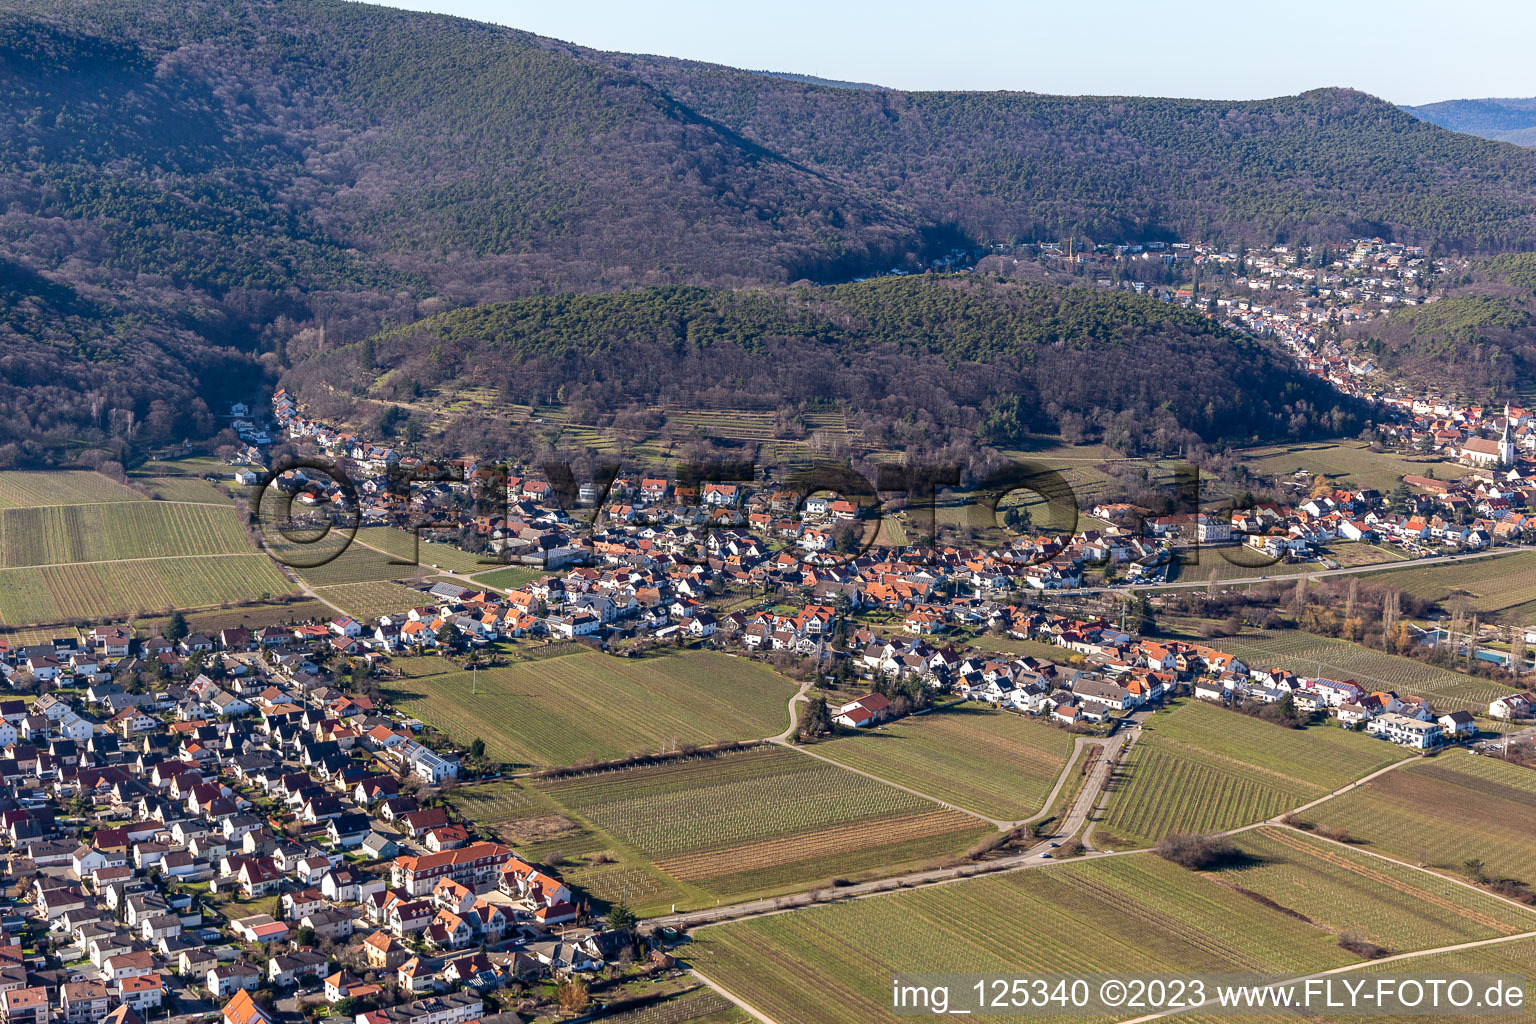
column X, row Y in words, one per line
column 367, row 601
column 1202, row 768
column 61, row 487
column 834, row 964
column 591, row 706
column 510, row 578
column 113, row 590
column 987, row 761
column 1312, row 655
column 1441, row 811
column 116, row 530
column 1342, row 889
column 761, row 821
column 1346, row 461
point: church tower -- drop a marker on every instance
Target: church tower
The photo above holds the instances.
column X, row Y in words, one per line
column 1506, row 445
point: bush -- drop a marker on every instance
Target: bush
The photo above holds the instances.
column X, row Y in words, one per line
column 1357, row 943
column 1198, row 852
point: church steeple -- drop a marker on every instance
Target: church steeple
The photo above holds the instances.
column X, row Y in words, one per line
column 1506, row 445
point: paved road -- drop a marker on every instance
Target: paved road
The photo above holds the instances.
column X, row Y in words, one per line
column 1288, row 577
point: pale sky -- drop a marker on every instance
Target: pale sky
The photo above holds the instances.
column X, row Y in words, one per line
column 1406, row 51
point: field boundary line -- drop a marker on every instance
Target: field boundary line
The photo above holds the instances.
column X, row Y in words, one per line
column 1325, row 798
column 141, row 558
column 996, row 823
column 126, row 501
column 1347, row 968
column 740, row 1003
column 1075, row 818
column 1407, row 864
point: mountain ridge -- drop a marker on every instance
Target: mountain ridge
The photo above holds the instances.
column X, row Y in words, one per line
column 1500, row 119
column 225, row 182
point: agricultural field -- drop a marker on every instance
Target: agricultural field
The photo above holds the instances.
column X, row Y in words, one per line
column 22, row 489
column 510, row 578
column 357, row 563
column 1444, row 810
column 1312, row 655
column 212, row 620
column 184, row 488
column 988, row 761
column 1347, row 461
column 1201, row 768
column 762, row 821
column 1487, row 584
column 1342, row 889
column 1249, row 566
column 114, row 590
column 112, row 531
column 367, row 601
column 698, row 1006
column 402, row 545
column 1138, row 914
column 592, row 706
column 527, row 819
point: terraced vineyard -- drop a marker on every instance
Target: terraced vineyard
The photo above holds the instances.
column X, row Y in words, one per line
column 109, row 590
column 116, row 530
column 20, row 489
column 987, row 761
column 1341, row 889
column 1443, row 811
column 592, row 706
column 1311, row 655
column 1201, row 768
column 367, row 601
column 834, row 964
column 763, row 820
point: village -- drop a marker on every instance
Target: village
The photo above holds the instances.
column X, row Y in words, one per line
column 142, row 819
column 248, row 826
column 144, row 825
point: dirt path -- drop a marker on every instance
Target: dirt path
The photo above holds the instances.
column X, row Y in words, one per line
column 1348, row 968
column 1082, row 808
column 740, row 1003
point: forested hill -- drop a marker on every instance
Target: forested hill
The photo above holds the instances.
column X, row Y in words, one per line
column 1323, row 165
column 192, row 189
column 1507, row 120
column 1475, row 340
column 920, row 363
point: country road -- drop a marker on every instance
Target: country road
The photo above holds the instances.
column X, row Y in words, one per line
column 1289, row 577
